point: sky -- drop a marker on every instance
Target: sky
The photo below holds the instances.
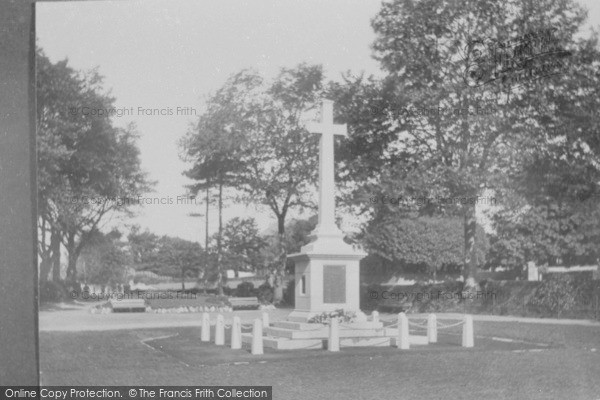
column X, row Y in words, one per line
column 169, row 55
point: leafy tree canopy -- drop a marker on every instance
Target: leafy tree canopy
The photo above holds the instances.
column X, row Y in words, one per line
column 401, row 144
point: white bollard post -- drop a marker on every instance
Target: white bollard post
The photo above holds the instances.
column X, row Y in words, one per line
column 375, row 316
column 236, row 333
column 333, row 344
column 432, row 328
column 205, row 333
column 402, row 340
column 467, row 336
column 257, row 337
column 220, row 331
column 265, row 320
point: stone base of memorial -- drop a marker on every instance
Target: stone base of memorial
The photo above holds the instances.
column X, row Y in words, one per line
column 327, row 277
column 327, row 280
column 288, row 335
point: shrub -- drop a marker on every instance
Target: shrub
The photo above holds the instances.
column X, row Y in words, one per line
column 245, row 289
column 446, row 296
column 557, row 294
column 265, row 293
column 227, row 291
column 51, row 291
column 587, row 291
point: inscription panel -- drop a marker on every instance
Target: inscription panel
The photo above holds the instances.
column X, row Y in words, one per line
column 334, row 284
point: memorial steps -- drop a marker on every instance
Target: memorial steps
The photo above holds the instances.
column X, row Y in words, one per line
column 287, row 335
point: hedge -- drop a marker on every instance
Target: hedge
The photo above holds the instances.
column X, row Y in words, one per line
column 561, row 296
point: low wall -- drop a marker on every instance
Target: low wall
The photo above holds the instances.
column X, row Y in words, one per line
column 536, row 273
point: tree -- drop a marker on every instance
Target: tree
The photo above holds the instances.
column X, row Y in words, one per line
column 261, row 128
column 104, row 260
column 88, row 169
column 551, row 217
column 428, row 49
column 242, row 245
column 179, row 258
column 104, row 179
column 551, row 210
column 213, row 145
column 143, row 246
column 298, row 232
column 281, row 158
column 55, row 86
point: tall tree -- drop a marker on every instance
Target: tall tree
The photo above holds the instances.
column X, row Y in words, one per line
column 213, row 145
column 430, row 118
column 280, row 162
column 110, row 182
column 56, row 90
column 88, row 169
column 260, row 127
column 552, row 205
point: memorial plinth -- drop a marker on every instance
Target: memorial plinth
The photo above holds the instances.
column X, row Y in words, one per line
column 327, row 277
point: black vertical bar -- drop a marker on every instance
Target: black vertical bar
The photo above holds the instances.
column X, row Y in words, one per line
column 18, row 261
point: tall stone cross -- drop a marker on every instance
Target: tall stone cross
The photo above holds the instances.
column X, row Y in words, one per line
column 327, row 270
column 327, row 129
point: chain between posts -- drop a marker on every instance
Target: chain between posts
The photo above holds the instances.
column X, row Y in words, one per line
column 422, row 324
column 442, row 326
column 418, row 324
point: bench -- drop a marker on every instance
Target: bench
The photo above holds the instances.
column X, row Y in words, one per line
column 393, row 309
column 250, row 303
column 128, row 305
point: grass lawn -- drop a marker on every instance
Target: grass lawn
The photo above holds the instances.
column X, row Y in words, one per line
column 565, row 367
